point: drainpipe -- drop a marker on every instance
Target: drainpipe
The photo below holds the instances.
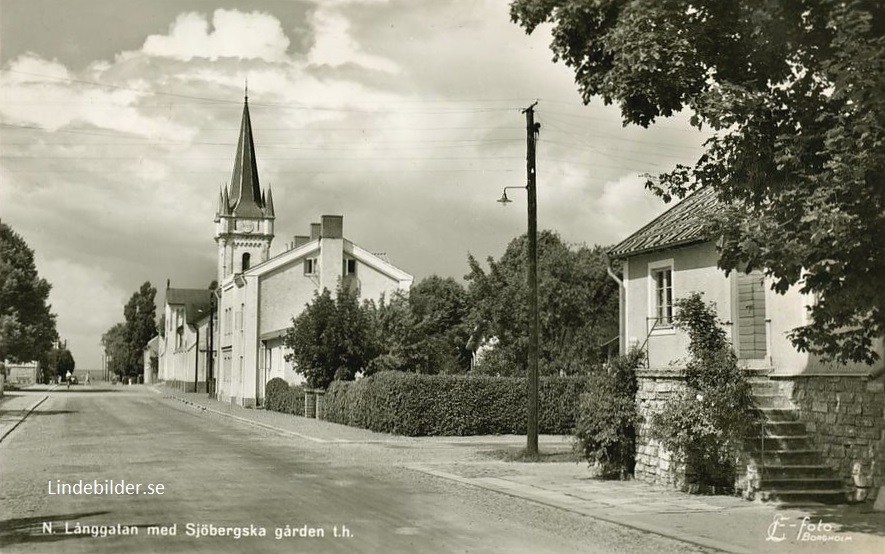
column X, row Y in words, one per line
column 622, row 317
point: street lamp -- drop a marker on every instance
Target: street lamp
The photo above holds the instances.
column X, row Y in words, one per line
column 504, row 200
column 531, row 450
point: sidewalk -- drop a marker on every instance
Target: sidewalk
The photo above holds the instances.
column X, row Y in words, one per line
column 722, row 523
column 16, row 405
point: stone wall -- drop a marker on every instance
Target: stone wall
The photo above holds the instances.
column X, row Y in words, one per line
column 654, row 463
column 845, row 415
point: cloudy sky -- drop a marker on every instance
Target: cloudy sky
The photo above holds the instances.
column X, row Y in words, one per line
column 119, row 120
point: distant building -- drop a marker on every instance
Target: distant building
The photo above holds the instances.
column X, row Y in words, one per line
column 27, row 373
column 258, row 295
column 150, row 359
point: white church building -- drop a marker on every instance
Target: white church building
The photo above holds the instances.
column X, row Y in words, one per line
column 258, row 295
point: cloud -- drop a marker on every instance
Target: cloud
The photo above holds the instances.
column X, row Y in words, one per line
column 335, row 46
column 233, row 34
column 41, row 93
column 625, row 206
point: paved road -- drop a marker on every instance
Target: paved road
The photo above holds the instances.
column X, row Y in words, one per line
column 219, row 474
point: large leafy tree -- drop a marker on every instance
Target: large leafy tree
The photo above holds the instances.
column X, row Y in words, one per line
column 124, row 342
column 60, row 361
column 578, row 305
column 331, row 339
column 116, row 349
column 424, row 330
column 27, row 325
column 140, row 314
column 795, row 92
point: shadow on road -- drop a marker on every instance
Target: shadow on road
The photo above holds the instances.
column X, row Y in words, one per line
column 37, row 413
column 31, row 529
column 859, row 518
column 82, row 391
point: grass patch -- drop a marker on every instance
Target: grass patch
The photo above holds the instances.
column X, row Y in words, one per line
column 518, row 455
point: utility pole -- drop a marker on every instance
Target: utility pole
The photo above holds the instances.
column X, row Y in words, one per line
column 532, row 128
column 210, row 357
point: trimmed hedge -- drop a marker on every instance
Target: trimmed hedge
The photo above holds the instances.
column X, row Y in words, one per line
column 440, row 405
column 280, row 397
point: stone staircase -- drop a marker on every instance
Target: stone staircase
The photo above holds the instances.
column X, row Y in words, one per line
column 790, row 467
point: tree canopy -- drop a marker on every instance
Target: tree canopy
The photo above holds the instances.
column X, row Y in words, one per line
column 795, row 93
column 27, row 325
column 578, row 305
column 331, row 339
column 424, row 330
column 59, row 362
column 124, row 342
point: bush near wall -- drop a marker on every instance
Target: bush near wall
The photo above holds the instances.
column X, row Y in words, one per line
column 279, row 396
column 440, row 405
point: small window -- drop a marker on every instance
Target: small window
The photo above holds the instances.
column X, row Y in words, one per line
column 350, row 267
column 663, row 296
column 247, row 260
column 310, row 266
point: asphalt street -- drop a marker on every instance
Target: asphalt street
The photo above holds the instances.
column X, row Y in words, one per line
column 224, row 484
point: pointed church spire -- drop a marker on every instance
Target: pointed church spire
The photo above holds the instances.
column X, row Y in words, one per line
column 221, row 205
column 225, row 200
column 245, row 191
column 268, row 206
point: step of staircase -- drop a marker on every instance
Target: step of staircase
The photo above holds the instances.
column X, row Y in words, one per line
column 794, row 456
column 827, row 483
column 773, row 400
column 779, row 472
column 803, row 496
column 779, row 442
column 779, row 414
column 784, row 428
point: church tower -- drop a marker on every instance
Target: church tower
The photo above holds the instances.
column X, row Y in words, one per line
column 245, row 216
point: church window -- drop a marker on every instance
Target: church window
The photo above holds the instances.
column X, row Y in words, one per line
column 247, row 259
column 350, row 267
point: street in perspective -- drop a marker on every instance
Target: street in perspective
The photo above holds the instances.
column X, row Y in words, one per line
column 231, row 480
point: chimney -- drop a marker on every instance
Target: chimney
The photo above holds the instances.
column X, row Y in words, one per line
column 315, row 230
column 332, row 226
column 299, row 240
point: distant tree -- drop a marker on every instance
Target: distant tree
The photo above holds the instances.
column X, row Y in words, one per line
column 331, row 339
column 27, row 326
column 578, row 306
column 124, row 342
column 441, row 310
column 140, row 313
column 116, row 349
column 60, row 361
column 795, row 91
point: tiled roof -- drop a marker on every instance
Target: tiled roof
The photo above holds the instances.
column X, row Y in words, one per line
column 682, row 224
column 195, row 302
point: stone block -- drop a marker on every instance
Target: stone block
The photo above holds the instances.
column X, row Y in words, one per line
column 869, row 433
column 820, row 407
column 879, row 505
column 875, row 386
